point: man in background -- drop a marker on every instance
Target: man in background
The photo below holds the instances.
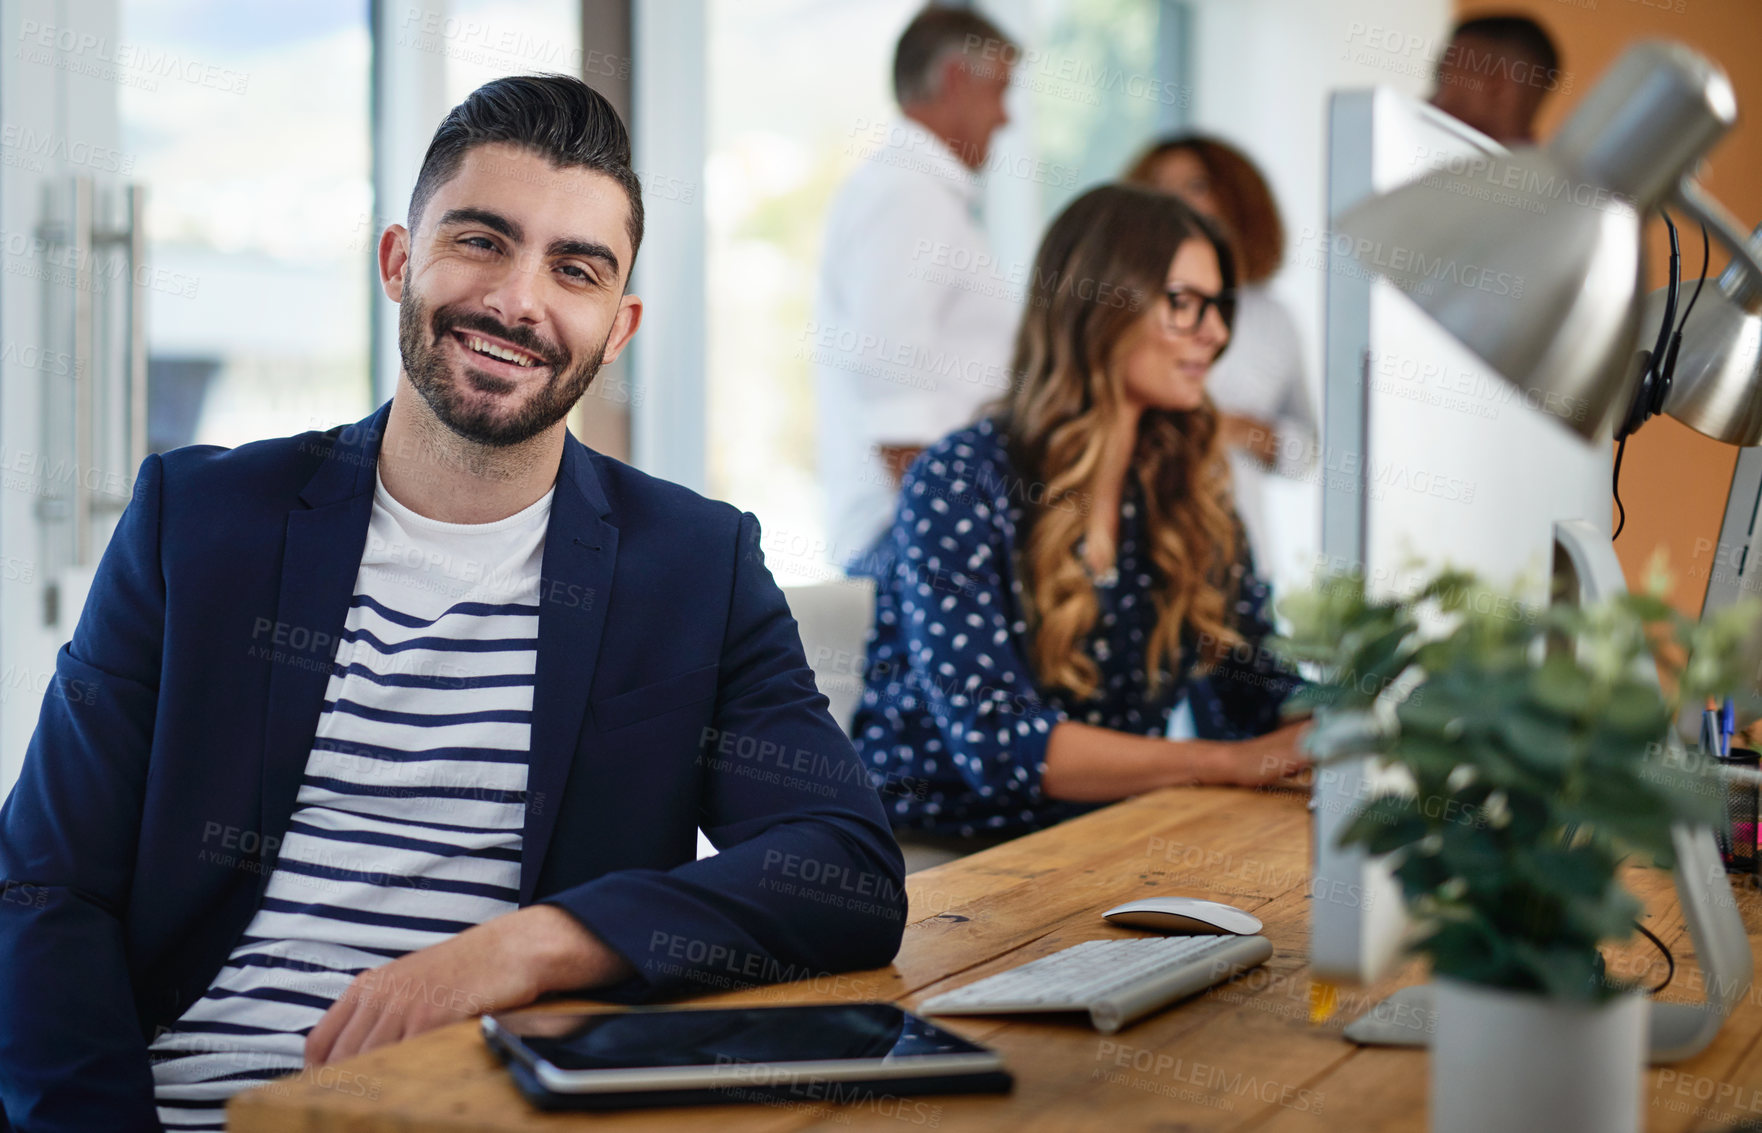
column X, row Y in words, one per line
column 915, row 320
column 1495, row 74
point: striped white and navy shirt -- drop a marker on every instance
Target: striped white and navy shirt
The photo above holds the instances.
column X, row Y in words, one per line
column 408, row 822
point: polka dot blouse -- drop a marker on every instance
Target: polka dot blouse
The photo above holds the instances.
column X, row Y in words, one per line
column 952, row 726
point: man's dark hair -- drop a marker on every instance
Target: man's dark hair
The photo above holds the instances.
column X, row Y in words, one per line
column 557, row 117
column 1514, row 35
column 932, row 35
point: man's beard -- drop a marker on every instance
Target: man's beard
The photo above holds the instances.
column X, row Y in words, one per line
column 422, row 345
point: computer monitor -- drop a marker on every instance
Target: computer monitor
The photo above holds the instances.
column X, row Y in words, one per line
column 1429, row 458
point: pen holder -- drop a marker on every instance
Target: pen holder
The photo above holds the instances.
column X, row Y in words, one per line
column 1737, row 843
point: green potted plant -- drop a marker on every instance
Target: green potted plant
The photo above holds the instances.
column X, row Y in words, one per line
column 1533, row 741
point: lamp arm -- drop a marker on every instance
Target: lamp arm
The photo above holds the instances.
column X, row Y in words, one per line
column 1698, row 203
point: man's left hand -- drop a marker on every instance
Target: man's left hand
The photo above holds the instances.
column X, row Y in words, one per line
column 503, row 963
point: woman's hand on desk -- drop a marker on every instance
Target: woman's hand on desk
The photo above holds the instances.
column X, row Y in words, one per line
column 1256, row 762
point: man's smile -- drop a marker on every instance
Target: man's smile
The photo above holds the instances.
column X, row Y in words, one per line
column 497, row 355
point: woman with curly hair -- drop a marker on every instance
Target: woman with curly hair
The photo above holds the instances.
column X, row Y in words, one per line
column 1069, row 569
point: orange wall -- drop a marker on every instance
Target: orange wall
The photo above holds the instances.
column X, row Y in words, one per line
column 1673, row 480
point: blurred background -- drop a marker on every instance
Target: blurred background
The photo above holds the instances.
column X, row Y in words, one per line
column 191, row 192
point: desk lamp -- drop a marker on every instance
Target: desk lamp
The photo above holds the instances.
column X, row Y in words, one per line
column 1533, row 260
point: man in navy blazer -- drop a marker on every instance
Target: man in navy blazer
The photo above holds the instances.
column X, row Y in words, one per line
column 670, row 689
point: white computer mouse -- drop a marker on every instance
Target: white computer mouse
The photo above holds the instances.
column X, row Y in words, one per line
column 1184, row 915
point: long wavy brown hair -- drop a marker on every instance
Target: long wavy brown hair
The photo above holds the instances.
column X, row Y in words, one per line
column 1103, row 260
column 1245, row 203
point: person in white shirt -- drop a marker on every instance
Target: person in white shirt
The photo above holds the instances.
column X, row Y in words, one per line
column 915, row 319
column 1267, row 417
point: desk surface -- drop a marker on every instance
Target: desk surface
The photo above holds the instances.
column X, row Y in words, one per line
column 1242, row 1056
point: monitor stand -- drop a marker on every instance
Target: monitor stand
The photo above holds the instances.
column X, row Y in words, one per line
column 1585, row 569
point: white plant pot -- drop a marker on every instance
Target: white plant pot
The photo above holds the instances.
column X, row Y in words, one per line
column 1517, row 1062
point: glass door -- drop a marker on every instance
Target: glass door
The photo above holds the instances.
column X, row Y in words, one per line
column 185, row 197
column 72, row 363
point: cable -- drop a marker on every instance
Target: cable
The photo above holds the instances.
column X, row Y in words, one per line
column 1655, row 382
column 1620, row 447
column 1669, row 960
column 1687, row 311
column 1669, row 323
column 1669, row 372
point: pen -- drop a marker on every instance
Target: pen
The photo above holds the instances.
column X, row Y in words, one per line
column 1711, row 725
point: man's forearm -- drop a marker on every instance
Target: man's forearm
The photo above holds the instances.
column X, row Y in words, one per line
column 896, row 459
column 561, row 953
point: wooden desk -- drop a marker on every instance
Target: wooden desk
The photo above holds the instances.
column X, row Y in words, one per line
column 1243, row 1056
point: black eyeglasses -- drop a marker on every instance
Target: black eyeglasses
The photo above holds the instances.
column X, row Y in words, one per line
column 1187, row 308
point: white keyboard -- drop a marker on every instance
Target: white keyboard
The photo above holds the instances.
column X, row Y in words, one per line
column 1115, row 981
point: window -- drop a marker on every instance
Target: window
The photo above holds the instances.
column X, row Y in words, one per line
column 792, row 87
column 259, row 214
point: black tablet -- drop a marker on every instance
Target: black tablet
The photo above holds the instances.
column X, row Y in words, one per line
column 865, row 1053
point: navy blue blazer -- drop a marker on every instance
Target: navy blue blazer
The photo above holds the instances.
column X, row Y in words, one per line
column 671, row 693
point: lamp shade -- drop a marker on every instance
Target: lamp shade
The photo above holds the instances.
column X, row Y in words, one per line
column 1533, row 259
column 1717, row 387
